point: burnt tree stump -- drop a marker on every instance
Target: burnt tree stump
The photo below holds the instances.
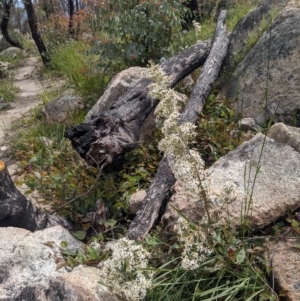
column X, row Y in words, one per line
column 17, row 211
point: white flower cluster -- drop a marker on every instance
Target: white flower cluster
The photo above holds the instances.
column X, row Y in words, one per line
column 160, row 89
column 195, row 243
column 186, row 164
column 188, row 168
column 197, row 27
column 126, row 270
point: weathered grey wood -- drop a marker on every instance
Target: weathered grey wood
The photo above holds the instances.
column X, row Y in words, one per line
column 112, row 133
column 209, row 73
column 164, row 178
column 17, row 211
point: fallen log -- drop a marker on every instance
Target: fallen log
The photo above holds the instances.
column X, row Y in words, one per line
column 164, row 178
column 17, row 211
column 116, row 131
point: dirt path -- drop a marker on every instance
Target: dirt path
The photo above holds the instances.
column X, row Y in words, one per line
column 31, row 87
column 28, row 97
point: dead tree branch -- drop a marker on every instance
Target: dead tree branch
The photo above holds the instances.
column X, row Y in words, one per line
column 116, row 131
column 164, row 178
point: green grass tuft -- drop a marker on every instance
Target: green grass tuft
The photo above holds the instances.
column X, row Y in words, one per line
column 8, row 90
column 74, row 62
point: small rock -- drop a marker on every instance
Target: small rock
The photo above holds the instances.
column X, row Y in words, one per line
column 4, row 66
column 190, row 208
column 11, row 51
column 188, row 83
column 135, row 201
column 247, row 124
column 285, row 134
column 281, row 256
column 58, row 109
column 12, row 169
column 4, row 106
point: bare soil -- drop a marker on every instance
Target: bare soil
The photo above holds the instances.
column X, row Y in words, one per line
column 30, row 89
column 31, row 85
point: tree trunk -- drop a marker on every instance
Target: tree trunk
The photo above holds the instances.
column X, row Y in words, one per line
column 4, row 24
column 17, row 211
column 191, row 15
column 71, row 18
column 164, row 178
column 78, row 20
column 116, row 131
column 34, row 31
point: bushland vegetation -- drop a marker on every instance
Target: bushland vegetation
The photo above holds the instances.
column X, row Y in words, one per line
column 88, row 42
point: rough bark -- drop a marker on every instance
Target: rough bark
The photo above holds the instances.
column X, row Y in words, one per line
column 164, row 178
column 71, row 18
column 34, row 31
column 111, row 133
column 17, row 211
column 4, row 24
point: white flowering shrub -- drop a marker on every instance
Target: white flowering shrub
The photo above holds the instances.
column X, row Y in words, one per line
column 187, row 166
column 126, row 270
column 197, row 246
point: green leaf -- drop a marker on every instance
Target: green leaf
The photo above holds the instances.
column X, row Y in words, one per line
column 110, row 223
column 37, row 175
column 294, row 224
column 68, row 252
column 79, row 234
column 81, row 258
column 56, row 177
column 63, row 244
column 240, row 257
column 290, row 219
column 93, row 253
column 33, row 159
column 71, row 261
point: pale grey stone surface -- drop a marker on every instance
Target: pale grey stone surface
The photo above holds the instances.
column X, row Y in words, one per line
column 272, row 169
column 27, row 268
column 250, row 23
column 11, row 51
column 248, row 124
column 282, row 256
column 135, row 201
column 285, row 134
column 263, row 170
column 60, row 108
column 271, row 68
